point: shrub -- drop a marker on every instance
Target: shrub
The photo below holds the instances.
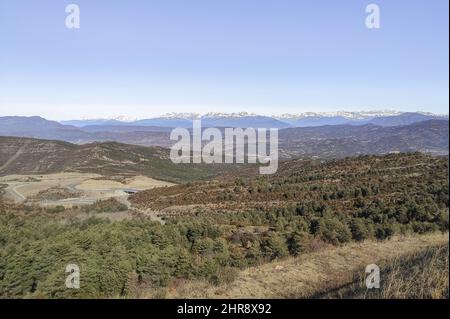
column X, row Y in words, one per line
column 106, row 206
column 360, row 229
column 297, row 243
column 332, row 230
column 274, row 246
column 224, row 276
column 56, row 210
column 384, row 231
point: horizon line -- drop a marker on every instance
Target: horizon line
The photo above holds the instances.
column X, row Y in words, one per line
column 198, row 115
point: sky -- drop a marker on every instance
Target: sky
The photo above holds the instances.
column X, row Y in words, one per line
column 144, row 58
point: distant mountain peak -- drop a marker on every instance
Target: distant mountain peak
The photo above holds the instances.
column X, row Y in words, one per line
column 198, row 116
column 120, row 118
column 184, row 116
column 348, row 115
column 229, row 115
column 344, row 114
column 125, row 118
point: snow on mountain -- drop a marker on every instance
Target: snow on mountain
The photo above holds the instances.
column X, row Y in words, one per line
column 344, row 114
column 185, row 116
column 120, row 118
column 196, row 116
column 125, row 118
column 229, row 115
column 245, row 119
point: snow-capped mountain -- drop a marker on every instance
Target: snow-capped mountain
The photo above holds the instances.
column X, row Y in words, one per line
column 125, row 118
column 345, row 114
column 241, row 119
column 381, row 118
column 196, row 116
column 245, row 119
column 85, row 121
column 185, row 116
column 229, row 115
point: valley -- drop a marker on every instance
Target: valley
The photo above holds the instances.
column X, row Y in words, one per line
column 319, row 136
column 230, row 150
column 141, row 226
column 306, row 231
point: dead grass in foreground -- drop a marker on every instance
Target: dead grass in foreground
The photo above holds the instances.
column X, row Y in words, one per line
column 312, row 275
column 419, row 275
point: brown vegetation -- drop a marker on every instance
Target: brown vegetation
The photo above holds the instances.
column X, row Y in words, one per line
column 55, row 194
column 341, row 185
column 26, row 156
column 323, row 274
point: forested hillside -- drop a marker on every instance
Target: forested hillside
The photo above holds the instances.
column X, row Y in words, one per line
column 226, row 226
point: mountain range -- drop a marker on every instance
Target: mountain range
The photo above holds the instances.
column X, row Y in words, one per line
column 406, row 132
column 244, row 119
column 338, row 141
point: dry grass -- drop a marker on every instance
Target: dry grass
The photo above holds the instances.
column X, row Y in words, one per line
column 424, row 276
column 421, row 275
column 332, row 268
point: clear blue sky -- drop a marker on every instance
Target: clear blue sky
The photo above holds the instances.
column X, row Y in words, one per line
column 145, row 58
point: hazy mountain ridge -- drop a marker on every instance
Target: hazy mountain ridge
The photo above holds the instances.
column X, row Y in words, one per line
column 244, row 119
column 336, row 141
column 332, row 141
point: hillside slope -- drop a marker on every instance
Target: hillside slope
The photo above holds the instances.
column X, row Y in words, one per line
column 337, row 141
column 305, row 276
column 32, row 156
column 329, row 141
column 340, row 185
